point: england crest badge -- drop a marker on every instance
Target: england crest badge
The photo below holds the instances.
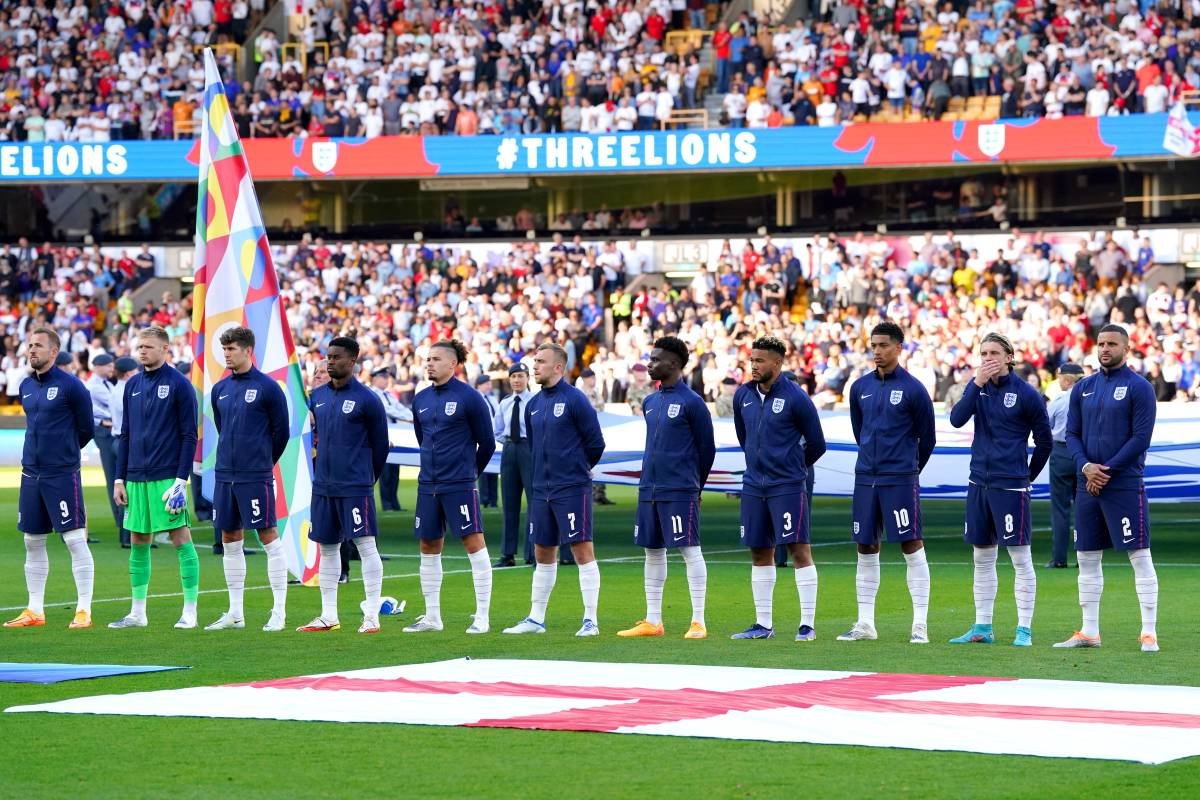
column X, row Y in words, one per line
column 559, row 408
column 451, row 407
column 896, row 396
column 777, row 405
column 251, row 395
column 1010, row 399
column 163, row 392
column 1119, row 392
column 673, row 410
column 52, row 393
column 347, row 406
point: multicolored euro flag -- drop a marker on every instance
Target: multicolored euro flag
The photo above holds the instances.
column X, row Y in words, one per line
column 236, row 285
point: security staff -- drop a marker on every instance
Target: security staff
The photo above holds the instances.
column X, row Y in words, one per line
column 1062, row 468
column 101, row 387
column 488, row 496
column 516, row 464
column 389, row 481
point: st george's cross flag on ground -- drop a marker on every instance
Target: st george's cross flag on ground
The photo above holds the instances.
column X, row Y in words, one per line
column 1013, row 716
column 236, row 285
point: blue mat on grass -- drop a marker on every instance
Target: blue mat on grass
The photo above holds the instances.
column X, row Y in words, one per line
column 13, row 672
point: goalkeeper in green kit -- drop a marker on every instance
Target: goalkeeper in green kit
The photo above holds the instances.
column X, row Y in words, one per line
column 153, row 468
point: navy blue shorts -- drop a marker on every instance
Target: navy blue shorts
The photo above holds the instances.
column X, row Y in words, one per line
column 54, row 503
column 1118, row 518
column 894, row 509
column 667, row 523
column 337, row 519
column 563, row 520
column 458, row 511
column 997, row 517
column 771, row 521
column 244, row 506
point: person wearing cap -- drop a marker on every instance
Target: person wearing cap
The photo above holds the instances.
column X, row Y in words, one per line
column 1062, row 468
column 1006, row 410
column 639, row 388
column 65, row 361
column 591, row 389
column 488, row 481
column 724, row 404
column 516, row 464
column 389, row 481
column 101, row 386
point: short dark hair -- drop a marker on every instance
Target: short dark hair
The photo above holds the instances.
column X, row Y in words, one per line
column 770, row 343
column 890, row 329
column 675, row 346
column 1112, row 327
column 346, row 343
column 243, row 337
column 458, row 348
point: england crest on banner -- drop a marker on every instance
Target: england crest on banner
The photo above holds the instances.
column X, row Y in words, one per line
column 896, row 396
column 991, row 140
column 163, row 391
column 777, row 405
column 347, row 406
column 324, row 155
column 1010, row 399
column 1119, row 392
column 673, row 410
column 559, row 408
column 52, row 393
column 251, row 395
column 451, row 407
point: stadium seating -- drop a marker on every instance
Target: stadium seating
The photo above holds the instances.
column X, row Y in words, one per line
column 451, row 68
column 1048, row 292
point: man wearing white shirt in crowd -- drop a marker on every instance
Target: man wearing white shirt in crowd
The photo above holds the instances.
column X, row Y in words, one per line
column 1155, row 97
column 827, row 112
column 1097, row 101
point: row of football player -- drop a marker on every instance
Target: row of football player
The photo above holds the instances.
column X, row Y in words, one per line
column 777, row 426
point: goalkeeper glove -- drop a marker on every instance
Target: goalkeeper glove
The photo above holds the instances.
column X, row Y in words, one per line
column 175, row 498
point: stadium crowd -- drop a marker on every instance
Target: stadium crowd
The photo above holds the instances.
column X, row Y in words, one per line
column 603, row 302
column 80, row 71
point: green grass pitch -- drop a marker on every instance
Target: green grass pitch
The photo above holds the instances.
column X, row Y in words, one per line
column 57, row 756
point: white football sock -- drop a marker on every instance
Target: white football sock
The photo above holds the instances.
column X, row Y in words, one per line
column 589, row 587
column 372, row 573
column 277, row 573
column 1024, row 584
column 806, row 587
column 234, row 562
column 697, row 575
column 544, row 576
column 328, row 573
column 762, row 586
column 655, row 580
column 82, row 567
column 481, row 576
column 1091, row 586
column 866, row 583
column 918, row 585
column 431, row 585
column 985, row 584
column 1145, row 580
column 37, row 568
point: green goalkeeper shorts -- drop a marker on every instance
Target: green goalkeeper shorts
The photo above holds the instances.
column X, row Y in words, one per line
column 147, row 511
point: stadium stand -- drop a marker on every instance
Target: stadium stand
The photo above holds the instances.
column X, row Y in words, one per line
column 100, row 71
column 604, row 303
